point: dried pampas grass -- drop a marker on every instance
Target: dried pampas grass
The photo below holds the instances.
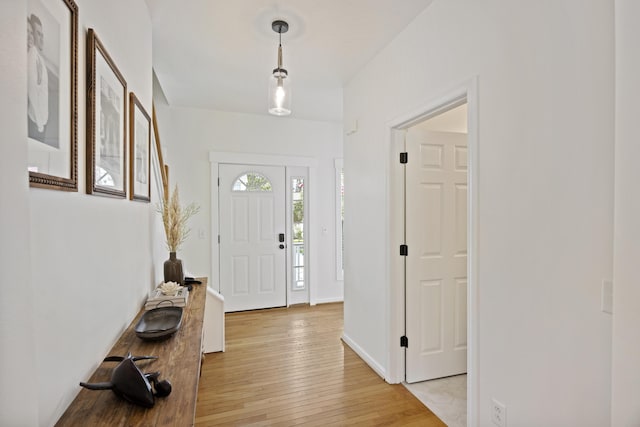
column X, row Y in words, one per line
column 174, row 219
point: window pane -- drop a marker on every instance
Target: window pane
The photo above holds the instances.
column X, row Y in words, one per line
column 252, row 181
column 339, row 212
column 297, row 200
column 342, row 219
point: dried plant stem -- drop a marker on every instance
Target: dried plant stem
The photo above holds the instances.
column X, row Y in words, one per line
column 174, row 219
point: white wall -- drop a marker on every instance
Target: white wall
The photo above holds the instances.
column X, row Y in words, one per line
column 188, row 135
column 545, row 219
column 18, row 378
column 626, row 314
column 90, row 257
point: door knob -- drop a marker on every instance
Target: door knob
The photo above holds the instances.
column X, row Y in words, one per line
column 281, row 246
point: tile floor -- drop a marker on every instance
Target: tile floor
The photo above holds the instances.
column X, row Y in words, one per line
column 445, row 397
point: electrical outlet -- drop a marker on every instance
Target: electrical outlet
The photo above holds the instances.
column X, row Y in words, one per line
column 498, row 413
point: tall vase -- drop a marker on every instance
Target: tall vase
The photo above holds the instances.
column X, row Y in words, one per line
column 173, row 269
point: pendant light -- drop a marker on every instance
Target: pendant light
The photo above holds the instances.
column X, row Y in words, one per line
column 279, row 83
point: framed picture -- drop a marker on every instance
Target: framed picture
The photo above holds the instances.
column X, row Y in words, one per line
column 163, row 171
column 52, row 104
column 139, row 150
column 106, row 122
column 157, row 168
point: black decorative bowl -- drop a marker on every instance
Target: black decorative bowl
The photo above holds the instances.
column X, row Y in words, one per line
column 159, row 323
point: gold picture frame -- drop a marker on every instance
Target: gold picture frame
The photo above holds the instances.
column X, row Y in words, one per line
column 106, row 122
column 52, row 101
column 139, row 151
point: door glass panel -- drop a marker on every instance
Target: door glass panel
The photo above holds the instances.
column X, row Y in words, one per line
column 342, row 221
column 252, row 181
column 297, row 200
column 339, row 206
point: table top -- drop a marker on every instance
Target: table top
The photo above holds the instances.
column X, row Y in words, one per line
column 178, row 361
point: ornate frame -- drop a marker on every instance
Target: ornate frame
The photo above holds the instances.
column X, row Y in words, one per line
column 105, row 154
column 139, row 172
column 49, row 180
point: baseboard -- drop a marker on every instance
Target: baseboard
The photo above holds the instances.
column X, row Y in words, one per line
column 326, row 301
column 364, row 356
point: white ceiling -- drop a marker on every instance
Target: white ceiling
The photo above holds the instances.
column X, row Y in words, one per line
column 219, row 54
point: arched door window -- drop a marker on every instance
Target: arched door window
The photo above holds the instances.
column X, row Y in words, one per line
column 252, row 181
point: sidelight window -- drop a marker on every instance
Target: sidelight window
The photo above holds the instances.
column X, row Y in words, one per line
column 339, row 192
column 297, row 200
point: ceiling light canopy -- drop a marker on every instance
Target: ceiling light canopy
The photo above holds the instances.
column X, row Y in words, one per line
column 280, row 83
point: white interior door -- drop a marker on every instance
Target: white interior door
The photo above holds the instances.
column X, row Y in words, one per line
column 252, row 253
column 436, row 265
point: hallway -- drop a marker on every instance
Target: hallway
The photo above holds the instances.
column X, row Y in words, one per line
column 289, row 367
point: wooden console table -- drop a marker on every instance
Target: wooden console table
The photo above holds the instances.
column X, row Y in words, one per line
column 178, row 361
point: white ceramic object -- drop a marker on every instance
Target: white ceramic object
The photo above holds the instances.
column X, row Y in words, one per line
column 169, row 288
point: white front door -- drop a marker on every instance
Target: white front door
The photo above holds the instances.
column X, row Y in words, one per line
column 252, row 239
column 436, row 265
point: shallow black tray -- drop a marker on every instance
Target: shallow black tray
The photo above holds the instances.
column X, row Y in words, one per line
column 159, row 323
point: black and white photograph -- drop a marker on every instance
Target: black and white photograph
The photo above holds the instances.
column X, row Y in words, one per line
column 43, row 76
column 139, row 142
column 110, row 119
column 106, row 122
column 51, row 93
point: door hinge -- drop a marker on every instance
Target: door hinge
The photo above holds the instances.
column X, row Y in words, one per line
column 218, row 239
column 404, row 157
column 404, row 250
column 404, row 341
column 218, row 182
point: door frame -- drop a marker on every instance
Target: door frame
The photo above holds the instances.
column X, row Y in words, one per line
column 218, row 157
column 468, row 91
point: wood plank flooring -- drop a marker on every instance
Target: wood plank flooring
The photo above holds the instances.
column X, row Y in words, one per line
column 286, row 367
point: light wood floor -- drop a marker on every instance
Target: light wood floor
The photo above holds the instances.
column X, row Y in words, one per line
column 289, row 367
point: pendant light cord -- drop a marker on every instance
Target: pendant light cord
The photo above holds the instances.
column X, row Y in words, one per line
column 280, row 48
